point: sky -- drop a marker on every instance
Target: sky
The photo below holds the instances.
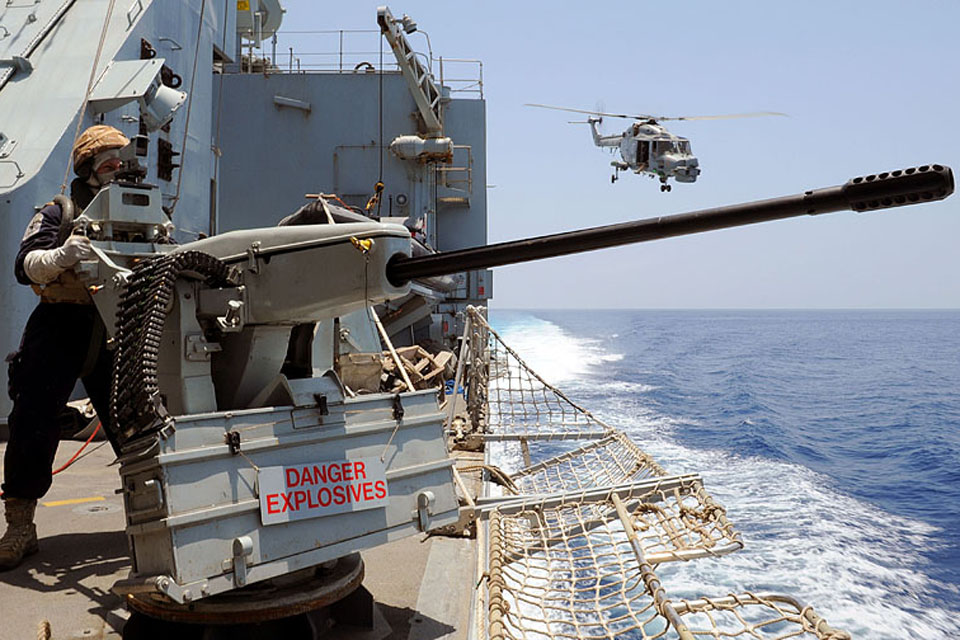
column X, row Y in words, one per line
column 868, row 87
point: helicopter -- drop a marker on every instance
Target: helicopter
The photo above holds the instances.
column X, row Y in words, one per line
column 647, row 147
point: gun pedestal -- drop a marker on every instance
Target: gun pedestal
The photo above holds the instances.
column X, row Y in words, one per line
column 300, row 605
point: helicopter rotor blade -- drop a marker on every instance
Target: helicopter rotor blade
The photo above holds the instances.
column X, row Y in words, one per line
column 729, row 116
column 594, row 113
column 646, row 116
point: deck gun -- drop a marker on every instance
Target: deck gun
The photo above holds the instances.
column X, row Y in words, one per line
column 862, row 194
column 216, row 444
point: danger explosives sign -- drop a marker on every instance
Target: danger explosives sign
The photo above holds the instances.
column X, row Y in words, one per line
column 321, row 489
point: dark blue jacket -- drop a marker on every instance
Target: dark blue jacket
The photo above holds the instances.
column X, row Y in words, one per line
column 41, row 233
column 44, row 228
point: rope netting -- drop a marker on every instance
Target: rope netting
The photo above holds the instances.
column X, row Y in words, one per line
column 521, row 405
column 572, row 554
column 563, row 573
column 767, row 616
column 602, row 463
column 683, row 523
column 583, row 566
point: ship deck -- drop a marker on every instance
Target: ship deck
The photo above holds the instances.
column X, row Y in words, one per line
column 423, row 586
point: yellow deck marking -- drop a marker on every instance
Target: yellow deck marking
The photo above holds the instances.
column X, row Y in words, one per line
column 60, row 503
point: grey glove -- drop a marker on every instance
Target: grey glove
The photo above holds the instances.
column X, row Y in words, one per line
column 44, row 265
column 75, row 249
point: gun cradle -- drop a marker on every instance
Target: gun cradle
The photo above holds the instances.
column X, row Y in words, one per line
column 282, row 276
column 307, row 273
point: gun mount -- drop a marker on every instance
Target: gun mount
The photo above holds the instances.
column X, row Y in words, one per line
column 201, row 334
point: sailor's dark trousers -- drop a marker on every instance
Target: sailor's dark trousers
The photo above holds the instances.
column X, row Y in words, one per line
column 61, row 343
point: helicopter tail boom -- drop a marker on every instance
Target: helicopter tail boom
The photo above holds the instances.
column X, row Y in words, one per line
column 594, row 122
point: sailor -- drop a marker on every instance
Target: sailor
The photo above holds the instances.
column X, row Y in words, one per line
column 64, row 340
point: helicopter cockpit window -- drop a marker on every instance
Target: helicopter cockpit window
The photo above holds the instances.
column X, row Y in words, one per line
column 684, row 146
column 664, row 146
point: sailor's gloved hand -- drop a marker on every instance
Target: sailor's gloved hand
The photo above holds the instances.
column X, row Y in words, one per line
column 44, row 265
column 75, row 249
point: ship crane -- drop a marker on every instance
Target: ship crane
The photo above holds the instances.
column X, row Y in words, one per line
column 429, row 146
column 419, row 78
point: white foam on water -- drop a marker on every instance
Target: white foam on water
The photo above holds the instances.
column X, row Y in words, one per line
column 622, row 387
column 861, row 568
column 610, row 357
column 553, row 353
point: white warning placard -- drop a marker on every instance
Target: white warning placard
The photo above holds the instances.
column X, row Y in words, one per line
column 324, row 488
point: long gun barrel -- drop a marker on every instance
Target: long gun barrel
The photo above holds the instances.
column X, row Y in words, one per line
column 879, row 191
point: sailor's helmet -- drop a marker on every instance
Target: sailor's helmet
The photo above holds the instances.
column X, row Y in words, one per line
column 96, row 139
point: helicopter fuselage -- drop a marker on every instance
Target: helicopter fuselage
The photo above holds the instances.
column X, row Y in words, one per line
column 647, row 147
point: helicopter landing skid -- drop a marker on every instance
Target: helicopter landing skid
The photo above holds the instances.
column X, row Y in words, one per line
column 617, row 168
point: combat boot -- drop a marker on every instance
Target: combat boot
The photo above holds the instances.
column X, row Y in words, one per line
column 20, row 540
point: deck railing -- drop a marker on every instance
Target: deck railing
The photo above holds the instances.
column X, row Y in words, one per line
column 355, row 51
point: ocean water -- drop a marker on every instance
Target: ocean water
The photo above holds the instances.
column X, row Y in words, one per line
column 831, row 437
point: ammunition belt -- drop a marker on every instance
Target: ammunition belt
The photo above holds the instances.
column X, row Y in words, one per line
column 136, row 407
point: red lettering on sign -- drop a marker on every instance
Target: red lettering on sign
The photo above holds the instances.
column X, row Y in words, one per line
column 305, row 478
column 319, row 474
column 323, row 495
column 293, row 478
column 318, row 487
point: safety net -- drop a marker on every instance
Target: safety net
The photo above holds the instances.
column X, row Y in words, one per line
column 573, row 544
column 583, row 565
column 610, row 461
column 521, row 405
column 748, row 615
column 568, row 570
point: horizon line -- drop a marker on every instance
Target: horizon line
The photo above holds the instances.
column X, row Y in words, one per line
column 724, row 308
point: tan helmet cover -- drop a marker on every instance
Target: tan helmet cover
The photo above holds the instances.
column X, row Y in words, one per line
column 97, row 138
